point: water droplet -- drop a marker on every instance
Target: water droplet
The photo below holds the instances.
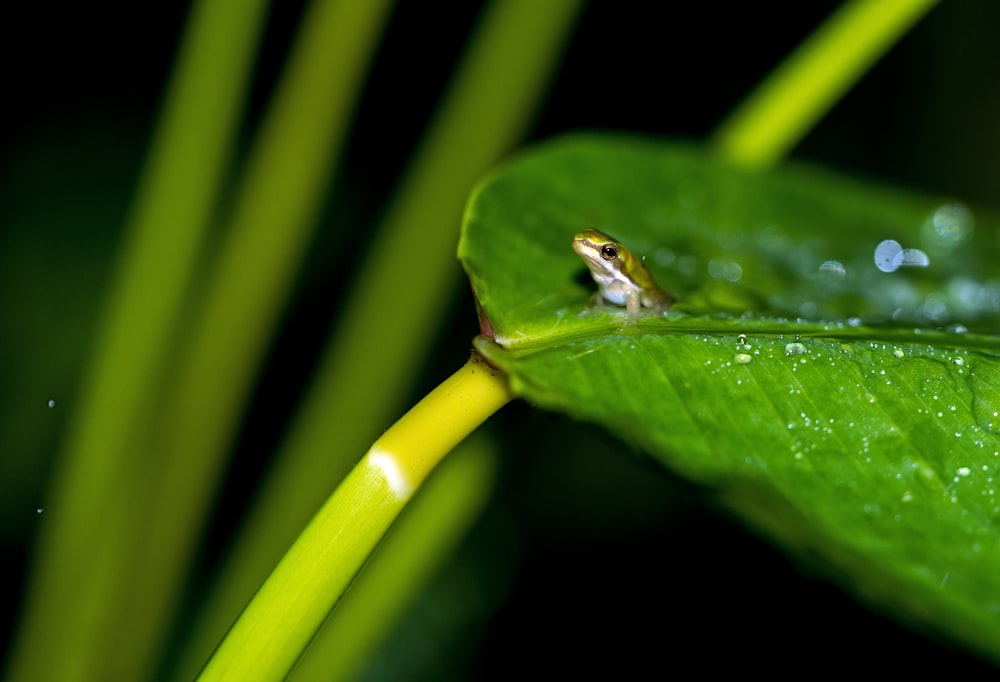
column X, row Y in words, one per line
column 727, row 270
column 39, row 510
column 950, row 225
column 959, row 362
column 741, row 339
column 914, row 258
column 890, row 256
column 795, row 349
column 936, row 307
column 832, row 271
column 898, row 352
column 52, row 403
column 886, row 254
column 964, row 471
column 743, row 359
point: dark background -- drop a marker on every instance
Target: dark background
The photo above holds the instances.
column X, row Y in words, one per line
column 663, row 581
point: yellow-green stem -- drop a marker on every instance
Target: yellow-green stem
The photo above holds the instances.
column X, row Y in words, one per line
column 399, row 300
column 422, row 540
column 807, row 84
column 289, row 608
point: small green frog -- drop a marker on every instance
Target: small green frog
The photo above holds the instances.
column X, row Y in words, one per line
column 621, row 277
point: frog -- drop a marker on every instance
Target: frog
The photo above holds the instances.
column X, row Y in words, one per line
column 622, row 278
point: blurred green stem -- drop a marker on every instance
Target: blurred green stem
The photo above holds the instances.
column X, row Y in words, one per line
column 812, row 79
column 276, row 205
column 402, row 293
column 84, row 557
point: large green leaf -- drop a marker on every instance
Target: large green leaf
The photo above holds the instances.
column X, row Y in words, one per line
column 849, row 412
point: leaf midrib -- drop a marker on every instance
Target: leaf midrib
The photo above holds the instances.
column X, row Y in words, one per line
column 754, row 328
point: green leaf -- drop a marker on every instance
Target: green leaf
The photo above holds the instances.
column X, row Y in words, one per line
column 846, row 411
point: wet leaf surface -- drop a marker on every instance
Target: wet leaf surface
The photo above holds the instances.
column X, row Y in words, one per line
column 838, row 393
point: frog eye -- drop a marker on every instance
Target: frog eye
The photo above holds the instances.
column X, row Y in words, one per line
column 609, row 251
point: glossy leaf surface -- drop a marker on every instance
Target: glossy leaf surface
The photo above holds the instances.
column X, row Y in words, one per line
column 828, row 371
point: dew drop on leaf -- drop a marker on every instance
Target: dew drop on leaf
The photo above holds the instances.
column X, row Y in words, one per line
column 886, row 255
column 832, row 271
column 795, row 349
column 950, row 225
